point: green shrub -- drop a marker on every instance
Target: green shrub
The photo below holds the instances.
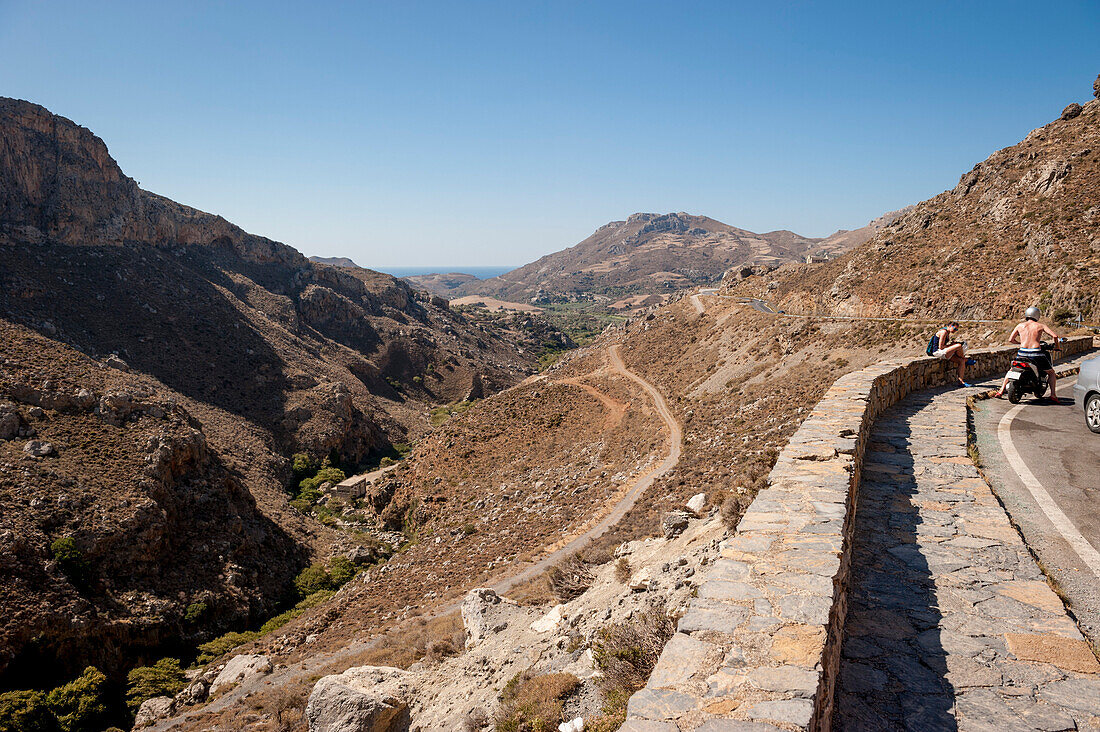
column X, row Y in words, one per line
column 386, row 462
column 283, row 618
column 164, row 678
column 195, row 612
column 303, row 465
column 313, row 578
column 26, row 711
column 223, row 644
column 315, row 599
column 70, row 559
column 324, row 475
column 78, row 705
column 341, row 570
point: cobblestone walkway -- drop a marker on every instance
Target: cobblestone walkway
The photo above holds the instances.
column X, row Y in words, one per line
column 951, row 625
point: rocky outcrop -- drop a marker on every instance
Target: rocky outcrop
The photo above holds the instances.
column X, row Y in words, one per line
column 238, row 670
column 361, row 699
column 153, row 710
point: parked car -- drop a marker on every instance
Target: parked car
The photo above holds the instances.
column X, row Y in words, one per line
column 1086, row 392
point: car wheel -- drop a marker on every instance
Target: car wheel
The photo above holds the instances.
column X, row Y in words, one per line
column 1013, row 391
column 1092, row 412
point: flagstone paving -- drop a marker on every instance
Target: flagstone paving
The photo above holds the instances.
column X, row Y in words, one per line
column 951, row 624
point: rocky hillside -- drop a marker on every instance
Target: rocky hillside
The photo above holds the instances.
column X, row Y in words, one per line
column 647, row 253
column 158, row 365
column 1021, row 228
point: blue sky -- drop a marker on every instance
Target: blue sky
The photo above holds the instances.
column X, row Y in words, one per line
column 483, row 133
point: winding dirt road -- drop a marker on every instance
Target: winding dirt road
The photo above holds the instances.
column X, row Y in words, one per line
column 324, row 662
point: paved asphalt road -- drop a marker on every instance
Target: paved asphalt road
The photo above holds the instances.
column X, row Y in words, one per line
column 1044, row 465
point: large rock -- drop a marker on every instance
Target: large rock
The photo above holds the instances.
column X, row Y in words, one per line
column 239, row 669
column 9, row 423
column 484, row 612
column 1073, row 110
column 674, row 523
column 38, row 448
column 361, row 699
column 697, row 504
column 153, row 710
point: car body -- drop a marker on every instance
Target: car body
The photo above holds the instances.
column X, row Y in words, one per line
column 1086, row 392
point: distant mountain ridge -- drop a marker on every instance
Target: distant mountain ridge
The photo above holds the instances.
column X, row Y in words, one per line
column 647, row 253
column 334, row 261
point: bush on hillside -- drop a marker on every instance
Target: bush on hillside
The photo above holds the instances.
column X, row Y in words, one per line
column 534, row 703
column 324, row 475
column 570, row 578
column 224, row 644
column 303, row 465
column 164, row 678
column 313, row 578
column 70, row 559
column 78, row 705
column 26, row 711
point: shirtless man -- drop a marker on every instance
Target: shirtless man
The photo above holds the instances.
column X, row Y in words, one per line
column 1029, row 334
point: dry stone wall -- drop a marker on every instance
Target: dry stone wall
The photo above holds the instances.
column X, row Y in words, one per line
column 759, row 647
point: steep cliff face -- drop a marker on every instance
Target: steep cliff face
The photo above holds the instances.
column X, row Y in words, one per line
column 1021, row 228
column 238, row 350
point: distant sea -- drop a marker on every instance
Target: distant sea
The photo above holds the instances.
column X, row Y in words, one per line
column 482, row 273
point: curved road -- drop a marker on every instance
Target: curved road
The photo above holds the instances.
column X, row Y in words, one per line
column 318, row 663
column 1044, row 465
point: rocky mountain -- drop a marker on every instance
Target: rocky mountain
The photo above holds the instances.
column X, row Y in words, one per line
column 158, row 366
column 334, row 261
column 1021, row 228
column 646, row 254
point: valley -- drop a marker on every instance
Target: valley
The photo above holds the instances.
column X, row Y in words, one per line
column 569, row 451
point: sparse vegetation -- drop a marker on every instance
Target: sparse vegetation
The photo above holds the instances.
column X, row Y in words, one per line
column 195, row 612
column 70, row 560
column 622, row 569
column 164, row 678
column 626, row 654
column 440, row 415
column 534, row 703
column 570, row 578
column 224, row 644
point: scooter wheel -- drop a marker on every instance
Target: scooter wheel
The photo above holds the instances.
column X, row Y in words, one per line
column 1013, row 392
column 1040, row 390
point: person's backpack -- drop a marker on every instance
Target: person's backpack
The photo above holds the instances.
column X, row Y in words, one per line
column 933, row 343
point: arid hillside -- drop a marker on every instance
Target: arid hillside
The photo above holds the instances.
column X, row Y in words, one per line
column 1021, row 228
column 158, row 367
column 516, row 475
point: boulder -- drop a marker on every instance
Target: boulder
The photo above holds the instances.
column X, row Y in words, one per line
column 484, row 612
column 1096, row 87
column 38, row 448
column 361, row 699
column 153, row 710
column 114, row 362
column 697, row 504
column 239, row 669
column 9, row 423
column 1073, row 110
column 674, row 523
column 195, row 693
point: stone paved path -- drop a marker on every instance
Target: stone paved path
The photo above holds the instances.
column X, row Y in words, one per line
column 951, row 625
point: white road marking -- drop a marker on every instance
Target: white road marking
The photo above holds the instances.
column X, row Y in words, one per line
column 1086, row 551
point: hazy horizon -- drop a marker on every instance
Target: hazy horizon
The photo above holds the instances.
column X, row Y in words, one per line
column 492, row 132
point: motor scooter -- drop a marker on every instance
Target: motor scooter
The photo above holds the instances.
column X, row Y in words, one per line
column 1024, row 377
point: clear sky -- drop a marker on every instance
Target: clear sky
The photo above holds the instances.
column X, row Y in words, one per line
column 491, row 133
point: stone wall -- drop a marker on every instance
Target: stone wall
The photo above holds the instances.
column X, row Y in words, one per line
column 761, row 642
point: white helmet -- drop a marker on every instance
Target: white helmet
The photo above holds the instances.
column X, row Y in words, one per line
column 1033, row 313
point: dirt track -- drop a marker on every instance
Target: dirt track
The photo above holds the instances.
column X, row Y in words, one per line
column 329, row 662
